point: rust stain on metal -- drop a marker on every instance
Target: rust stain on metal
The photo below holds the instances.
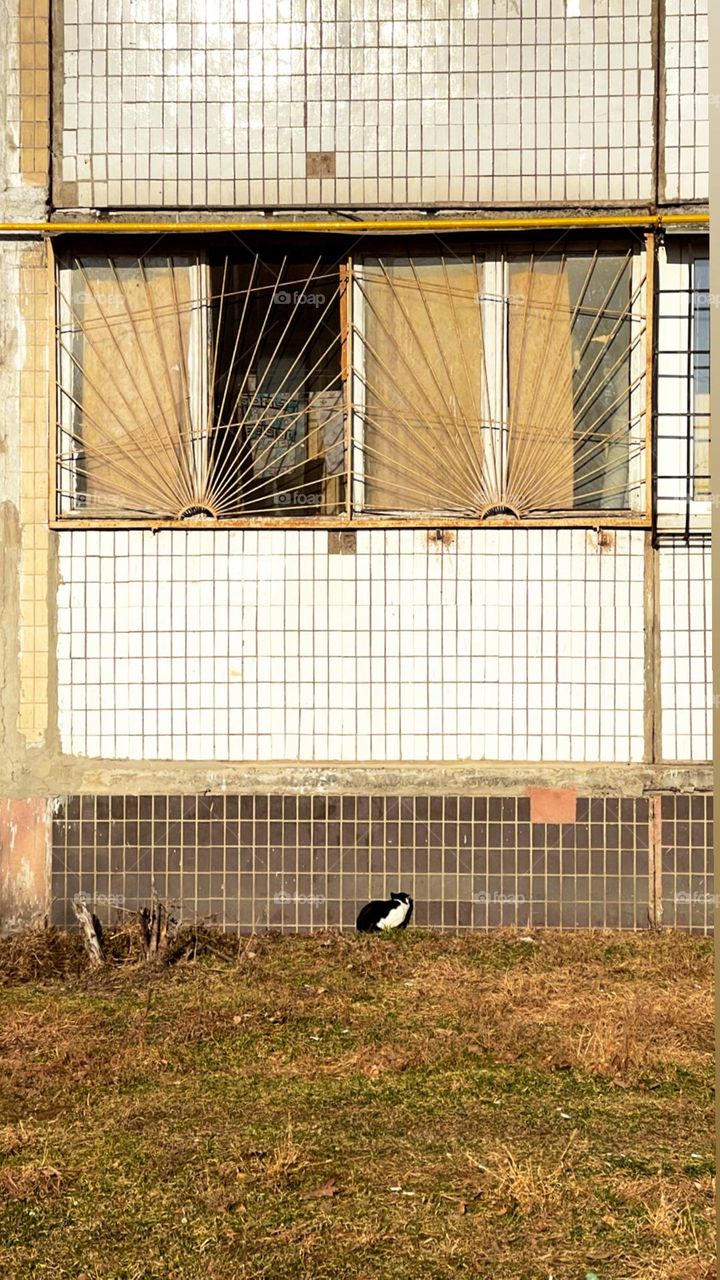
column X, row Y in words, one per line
column 441, row 538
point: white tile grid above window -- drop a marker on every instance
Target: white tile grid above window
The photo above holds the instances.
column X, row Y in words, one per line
column 259, row 645
column 553, row 104
column 686, row 127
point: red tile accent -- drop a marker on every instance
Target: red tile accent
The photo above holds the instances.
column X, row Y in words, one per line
column 547, row 805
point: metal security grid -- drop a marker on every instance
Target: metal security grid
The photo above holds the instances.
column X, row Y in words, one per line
column 193, row 389
column 308, row 862
column 682, row 480
column 197, row 387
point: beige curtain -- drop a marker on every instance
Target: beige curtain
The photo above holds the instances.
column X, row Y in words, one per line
column 540, row 464
column 422, row 349
column 133, row 384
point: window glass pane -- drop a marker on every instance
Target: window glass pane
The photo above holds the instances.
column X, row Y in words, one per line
column 701, row 377
column 571, row 339
column 200, row 388
column 540, row 373
column 214, row 384
column 277, row 441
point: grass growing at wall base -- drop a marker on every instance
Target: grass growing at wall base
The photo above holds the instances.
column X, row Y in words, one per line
column 329, row 1107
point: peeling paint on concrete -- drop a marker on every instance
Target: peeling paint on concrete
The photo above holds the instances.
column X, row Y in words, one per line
column 34, row 445
column 12, row 746
column 23, row 864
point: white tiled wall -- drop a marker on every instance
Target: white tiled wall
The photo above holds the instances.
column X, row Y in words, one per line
column 685, row 652
column 420, row 101
column 686, row 100
column 260, row 645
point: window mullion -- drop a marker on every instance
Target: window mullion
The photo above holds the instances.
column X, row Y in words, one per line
column 494, row 398
column 199, row 363
column 356, row 376
column 639, row 395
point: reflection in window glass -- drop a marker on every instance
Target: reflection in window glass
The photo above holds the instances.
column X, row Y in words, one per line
column 700, row 391
column 277, row 442
column 571, row 338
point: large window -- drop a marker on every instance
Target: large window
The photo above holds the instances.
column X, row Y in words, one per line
column 222, row 384
column 511, row 384
column 203, row 387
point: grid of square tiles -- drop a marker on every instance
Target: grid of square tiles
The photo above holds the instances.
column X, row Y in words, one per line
column 327, row 102
column 685, row 651
column 687, row 862
column 295, row 863
column 34, row 441
column 24, row 58
column 33, row 83
column 262, row 645
column 686, row 134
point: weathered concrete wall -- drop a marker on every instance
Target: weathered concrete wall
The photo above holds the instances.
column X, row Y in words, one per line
column 24, row 853
column 10, row 539
column 24, row 536
column 33, row 768
column 26, row 583
column 24, row 110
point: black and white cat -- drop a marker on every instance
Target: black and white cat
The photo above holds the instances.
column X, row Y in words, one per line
column 380, row 916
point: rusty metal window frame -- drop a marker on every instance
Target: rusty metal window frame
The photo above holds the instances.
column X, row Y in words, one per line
column 353, row 512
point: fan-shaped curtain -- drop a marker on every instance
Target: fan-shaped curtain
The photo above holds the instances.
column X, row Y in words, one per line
column 422, row 383
column 200, row 388
column 128, row 341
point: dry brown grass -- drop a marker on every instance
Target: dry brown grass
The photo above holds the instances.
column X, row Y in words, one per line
column 532, row 1186
column 614, row 1025
column 286, row 1157
column 341, row 1107
column 29, row 1182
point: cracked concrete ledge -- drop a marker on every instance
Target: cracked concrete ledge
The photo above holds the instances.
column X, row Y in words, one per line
column 50, row 775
